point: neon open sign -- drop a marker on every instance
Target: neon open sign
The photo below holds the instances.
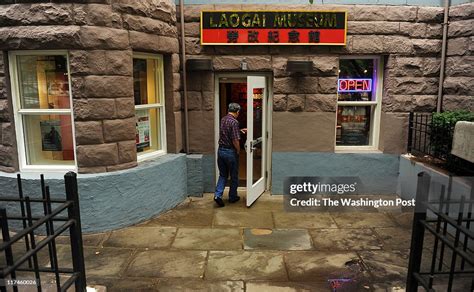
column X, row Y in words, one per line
column 354, row 85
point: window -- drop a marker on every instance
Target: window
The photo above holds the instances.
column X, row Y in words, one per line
column 42, row 108
column 148, row 88
column 358, row 103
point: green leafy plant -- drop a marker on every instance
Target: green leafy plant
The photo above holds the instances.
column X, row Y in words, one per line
column 442, row 129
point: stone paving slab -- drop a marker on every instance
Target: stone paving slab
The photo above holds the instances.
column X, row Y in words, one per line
column 166, row 263
column 142, row 237
column 317, row 266
column 208, row 239
column 105, row 261
column 303, row 220
column 386, row 266
column 344, row 239
column 185, row 217
column 403, row 219
column 245, row 265
column 172, row 285
column 259, row 286
column 277, row 239
column 363, row 220
column 87, row 239
column 243, row 219
column 124, row 284
column 269, row 205
column 394, row 237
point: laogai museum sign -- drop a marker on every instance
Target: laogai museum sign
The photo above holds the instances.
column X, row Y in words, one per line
column 273, row 28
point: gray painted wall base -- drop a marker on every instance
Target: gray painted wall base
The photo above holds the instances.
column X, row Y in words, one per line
column 118, row 199
column 376, row 170
column 409, row 170
column 209, row 173
column 194, row 175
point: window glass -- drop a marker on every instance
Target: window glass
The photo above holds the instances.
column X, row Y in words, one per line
column 43, row 90
column 357, row 96
column 48, row 139
column 148, row 94
column 356, row 80
column 147, row 130
column 145, row 85
column 353, row 125
column 43, row 82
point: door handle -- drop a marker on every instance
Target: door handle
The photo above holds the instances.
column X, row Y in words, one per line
column 255, row 142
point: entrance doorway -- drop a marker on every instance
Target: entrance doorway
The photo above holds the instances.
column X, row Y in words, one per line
column 252, row 94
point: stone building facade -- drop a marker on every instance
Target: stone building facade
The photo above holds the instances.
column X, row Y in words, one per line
column 101, row 38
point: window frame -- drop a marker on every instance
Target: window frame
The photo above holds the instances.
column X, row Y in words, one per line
column 374, row 139
column 19, row 113
column 159, row 79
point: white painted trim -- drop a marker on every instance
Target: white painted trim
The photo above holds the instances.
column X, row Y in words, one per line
column 18, row 112
column 43, row 111
column 159, row 79
column 269, row 130
column 356, row 103
column 374, row 139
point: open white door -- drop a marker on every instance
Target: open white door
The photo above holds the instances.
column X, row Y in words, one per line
column 256, row 137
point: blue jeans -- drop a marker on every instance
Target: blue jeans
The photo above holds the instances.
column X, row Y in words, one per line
column 228, row 163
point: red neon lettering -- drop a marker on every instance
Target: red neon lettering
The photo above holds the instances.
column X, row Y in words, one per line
column 354, row 85
column 351, row 84
column 365, row 85
column 343, row 85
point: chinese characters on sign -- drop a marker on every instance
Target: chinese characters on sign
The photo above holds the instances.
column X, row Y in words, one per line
column 276, row 28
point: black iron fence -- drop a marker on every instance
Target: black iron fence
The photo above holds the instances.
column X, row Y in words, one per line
column 55, row 221
column 448, row 221
column 424, row 142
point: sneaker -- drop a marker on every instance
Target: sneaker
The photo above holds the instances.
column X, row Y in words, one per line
column 219, row 202
column 234, row 199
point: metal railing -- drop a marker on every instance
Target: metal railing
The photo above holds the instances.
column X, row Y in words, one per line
column 420, row 143
column 31, row 226
column 450, row 222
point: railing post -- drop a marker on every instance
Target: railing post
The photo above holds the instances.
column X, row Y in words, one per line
column 418, row 231
column 70, row 180
column 410, row 132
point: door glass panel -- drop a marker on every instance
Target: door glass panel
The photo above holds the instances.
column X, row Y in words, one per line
column 258, row 168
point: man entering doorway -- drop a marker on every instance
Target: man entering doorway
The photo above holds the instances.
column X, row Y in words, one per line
column 228, row 155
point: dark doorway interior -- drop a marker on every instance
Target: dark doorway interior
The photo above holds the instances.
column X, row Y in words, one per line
column 235, row 90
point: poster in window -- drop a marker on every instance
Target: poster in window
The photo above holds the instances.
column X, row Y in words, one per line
column 142, row 130
column 51, row 135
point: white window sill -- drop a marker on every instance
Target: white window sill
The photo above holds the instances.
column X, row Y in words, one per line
column 356, row 149
column 147, row 156
column 47, row 168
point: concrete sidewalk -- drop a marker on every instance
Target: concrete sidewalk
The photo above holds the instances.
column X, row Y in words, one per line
column 198, row 247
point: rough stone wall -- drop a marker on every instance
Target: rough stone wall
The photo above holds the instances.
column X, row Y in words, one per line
column 8, row 159
column 459, row 80
column 409, row 38
column 100, row 38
